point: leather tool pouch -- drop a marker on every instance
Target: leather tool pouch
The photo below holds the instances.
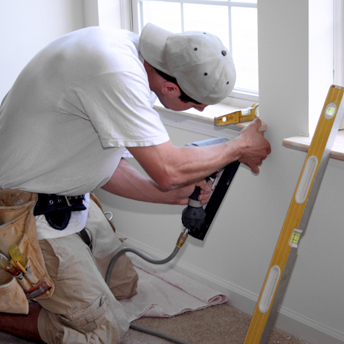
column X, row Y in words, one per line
column 18, row 226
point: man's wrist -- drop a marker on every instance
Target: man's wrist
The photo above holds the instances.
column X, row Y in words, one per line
column 237, row 148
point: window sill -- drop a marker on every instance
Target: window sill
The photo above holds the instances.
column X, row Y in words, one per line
column 302, row 143
column 203, row 122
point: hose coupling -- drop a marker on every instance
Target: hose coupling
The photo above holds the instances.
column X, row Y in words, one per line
column 182, row 238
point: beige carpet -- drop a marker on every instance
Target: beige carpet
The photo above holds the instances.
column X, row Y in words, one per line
column 221, row 324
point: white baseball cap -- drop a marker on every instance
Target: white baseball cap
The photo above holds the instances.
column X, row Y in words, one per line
column 202, row 65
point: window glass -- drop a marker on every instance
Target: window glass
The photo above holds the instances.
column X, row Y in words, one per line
column 245, row 47
column 201, row 18
column 246, row 1
column 163, row 14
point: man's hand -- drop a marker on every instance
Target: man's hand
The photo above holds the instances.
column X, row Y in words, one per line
column 255, row 147
column 182, row 194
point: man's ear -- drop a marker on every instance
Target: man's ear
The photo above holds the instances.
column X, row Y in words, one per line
column 169, row 87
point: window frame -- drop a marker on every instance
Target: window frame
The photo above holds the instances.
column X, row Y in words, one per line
column 338, row 42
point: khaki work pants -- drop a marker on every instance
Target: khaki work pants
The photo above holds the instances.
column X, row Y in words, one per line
column 83, row 308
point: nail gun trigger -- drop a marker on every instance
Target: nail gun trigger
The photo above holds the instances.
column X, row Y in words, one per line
column 213, row 176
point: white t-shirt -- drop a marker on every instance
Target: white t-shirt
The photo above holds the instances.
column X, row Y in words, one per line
column 66, row 121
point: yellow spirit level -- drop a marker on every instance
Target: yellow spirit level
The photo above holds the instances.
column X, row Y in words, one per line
column 297, row 218
column 240, row 116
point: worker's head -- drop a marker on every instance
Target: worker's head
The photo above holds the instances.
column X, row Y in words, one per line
column 200, row 63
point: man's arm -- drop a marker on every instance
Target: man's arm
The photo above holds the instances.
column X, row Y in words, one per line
column 128, row 182
column 170, row 166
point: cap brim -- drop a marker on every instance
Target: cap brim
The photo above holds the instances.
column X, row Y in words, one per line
column 152, row 46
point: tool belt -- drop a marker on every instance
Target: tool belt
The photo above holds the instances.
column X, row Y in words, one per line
column 18, row 227
column 57, row 209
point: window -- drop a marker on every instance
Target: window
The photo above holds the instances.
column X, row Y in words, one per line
column 235, row 23
column 338, row 45
column 338, row 42
column 325, row 53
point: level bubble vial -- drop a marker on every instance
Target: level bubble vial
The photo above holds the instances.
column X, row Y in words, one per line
column 330, row 110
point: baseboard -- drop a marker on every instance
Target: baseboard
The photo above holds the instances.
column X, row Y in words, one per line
column 287, row 320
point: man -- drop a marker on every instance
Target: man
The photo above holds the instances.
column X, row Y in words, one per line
column 77, row 109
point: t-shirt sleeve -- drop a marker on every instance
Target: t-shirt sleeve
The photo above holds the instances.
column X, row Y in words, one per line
column 119, row 106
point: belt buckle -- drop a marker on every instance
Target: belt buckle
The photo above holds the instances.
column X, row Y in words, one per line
column 67, row 200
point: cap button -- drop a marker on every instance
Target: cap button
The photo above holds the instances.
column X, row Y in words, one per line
column 224, row 52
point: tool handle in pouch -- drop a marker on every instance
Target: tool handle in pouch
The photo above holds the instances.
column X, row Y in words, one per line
column 16, row 255
column 31, row 285
column 25, row 284
column 22, row 264
column 8, row 265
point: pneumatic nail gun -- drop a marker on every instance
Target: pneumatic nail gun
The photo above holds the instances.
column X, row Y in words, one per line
column 196, row 218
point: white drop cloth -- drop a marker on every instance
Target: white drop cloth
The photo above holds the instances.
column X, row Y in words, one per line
column 164, row 292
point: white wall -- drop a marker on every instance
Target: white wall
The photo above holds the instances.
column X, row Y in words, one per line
column 236, row 253
column 27, row 26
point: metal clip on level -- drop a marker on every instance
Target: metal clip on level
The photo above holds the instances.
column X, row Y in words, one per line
column 239, row 116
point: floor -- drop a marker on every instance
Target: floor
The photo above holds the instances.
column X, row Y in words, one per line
column 221, row 324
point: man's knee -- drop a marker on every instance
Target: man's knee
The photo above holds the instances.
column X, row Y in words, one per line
column 101, row 321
